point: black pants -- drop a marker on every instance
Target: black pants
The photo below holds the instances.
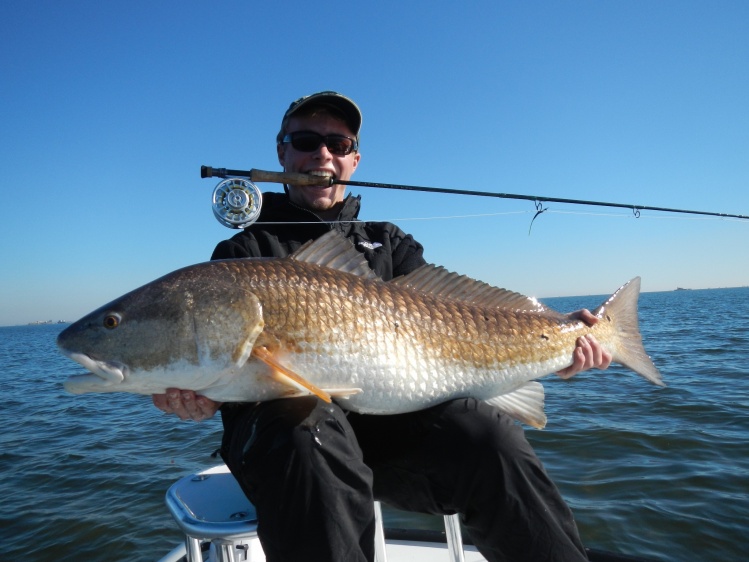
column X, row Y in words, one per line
column 312, row 471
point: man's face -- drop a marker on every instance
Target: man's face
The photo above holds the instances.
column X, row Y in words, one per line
column 323, row 200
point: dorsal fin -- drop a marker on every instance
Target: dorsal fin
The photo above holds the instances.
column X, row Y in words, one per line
column 437, row 281
column 336, row 252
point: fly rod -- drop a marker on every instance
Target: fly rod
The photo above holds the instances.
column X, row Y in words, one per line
column 237, row 200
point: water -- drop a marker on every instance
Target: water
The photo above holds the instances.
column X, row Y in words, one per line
column 647, row 471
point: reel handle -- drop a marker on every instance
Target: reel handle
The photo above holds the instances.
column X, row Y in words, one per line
column 291, row 178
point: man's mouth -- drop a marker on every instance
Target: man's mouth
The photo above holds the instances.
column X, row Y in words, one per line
column 329, row 177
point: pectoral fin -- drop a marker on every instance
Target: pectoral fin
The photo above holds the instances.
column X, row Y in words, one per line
column 287, row 376
column 525, row 404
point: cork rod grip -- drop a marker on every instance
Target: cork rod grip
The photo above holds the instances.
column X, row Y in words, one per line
column 290, row 178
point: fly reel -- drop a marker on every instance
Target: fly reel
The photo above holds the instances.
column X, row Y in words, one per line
column 236, row 202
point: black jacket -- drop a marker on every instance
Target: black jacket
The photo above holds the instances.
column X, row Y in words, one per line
column 389, row 251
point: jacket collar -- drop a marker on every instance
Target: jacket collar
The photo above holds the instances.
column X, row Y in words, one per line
column 277, row 207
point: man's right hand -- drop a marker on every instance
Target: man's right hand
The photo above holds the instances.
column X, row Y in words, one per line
column 186, row 404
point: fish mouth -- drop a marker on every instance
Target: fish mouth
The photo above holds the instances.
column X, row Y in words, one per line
column 102, row 373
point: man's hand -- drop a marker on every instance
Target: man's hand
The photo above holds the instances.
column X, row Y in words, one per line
column 185, row 404
column 588, row 354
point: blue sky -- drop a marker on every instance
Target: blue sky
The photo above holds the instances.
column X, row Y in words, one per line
column 108, row 109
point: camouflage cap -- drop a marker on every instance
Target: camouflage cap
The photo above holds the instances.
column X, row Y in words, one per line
column 347, row 107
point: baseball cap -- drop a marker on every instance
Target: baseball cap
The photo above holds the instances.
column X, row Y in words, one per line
column 346, row 106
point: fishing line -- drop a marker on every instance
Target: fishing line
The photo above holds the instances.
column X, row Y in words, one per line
column 237, row 200
column 508, row 213
column 404, row 219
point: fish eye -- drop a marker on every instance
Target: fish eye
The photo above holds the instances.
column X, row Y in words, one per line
column 111, row 321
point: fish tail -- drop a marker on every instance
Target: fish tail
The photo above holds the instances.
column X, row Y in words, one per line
column 621, row 310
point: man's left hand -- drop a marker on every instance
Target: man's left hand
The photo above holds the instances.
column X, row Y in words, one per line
column 588, row 353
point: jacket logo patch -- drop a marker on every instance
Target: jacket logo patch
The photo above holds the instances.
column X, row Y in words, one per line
column 370, row 245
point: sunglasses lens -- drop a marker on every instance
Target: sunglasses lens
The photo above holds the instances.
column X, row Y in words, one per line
column 339, row 145
column 305, row 141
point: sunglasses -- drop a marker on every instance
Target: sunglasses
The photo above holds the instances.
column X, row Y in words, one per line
column 309, row 141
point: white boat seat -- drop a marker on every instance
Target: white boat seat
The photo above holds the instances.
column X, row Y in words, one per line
column 210, row 506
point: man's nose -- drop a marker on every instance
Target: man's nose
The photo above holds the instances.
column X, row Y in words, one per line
column 323, row 152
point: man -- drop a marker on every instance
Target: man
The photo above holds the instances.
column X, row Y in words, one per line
column 311, row 469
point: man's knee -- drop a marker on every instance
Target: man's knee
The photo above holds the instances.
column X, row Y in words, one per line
column 320, row 433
